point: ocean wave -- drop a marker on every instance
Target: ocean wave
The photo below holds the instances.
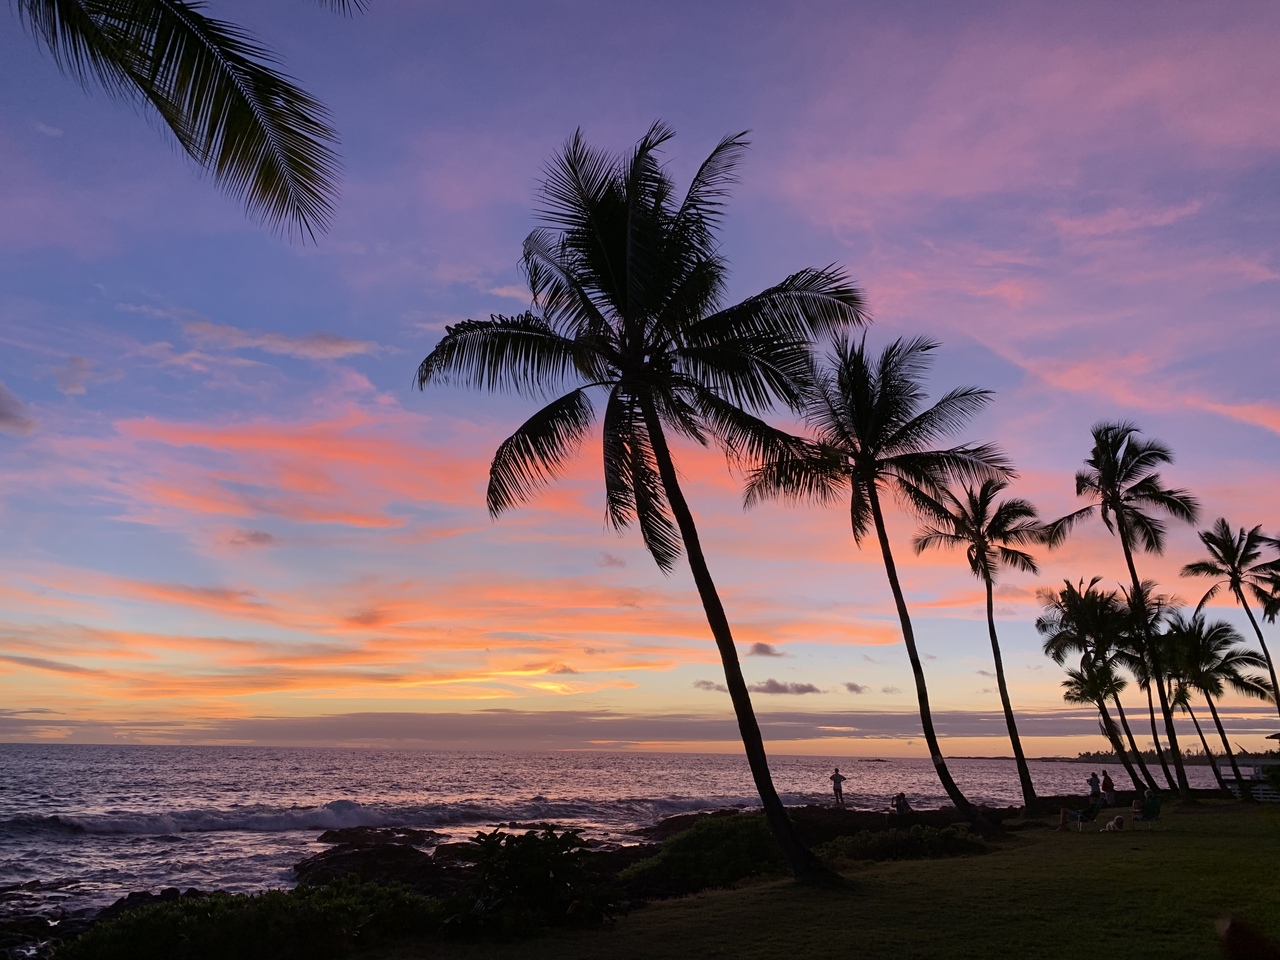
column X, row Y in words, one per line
column 610, row 815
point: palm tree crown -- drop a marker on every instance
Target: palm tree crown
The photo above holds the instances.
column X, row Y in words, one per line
column 1122, row 480
column 265, row 140
column 989, row 531
column 629, row 284
column 1235, row 562
column 872, row 431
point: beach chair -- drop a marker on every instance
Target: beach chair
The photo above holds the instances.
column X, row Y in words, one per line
column 1150, row 814
column 1088, row 815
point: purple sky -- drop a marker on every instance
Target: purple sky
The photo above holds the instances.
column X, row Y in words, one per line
column 228, row 517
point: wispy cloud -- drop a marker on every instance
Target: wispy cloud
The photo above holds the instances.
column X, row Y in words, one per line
column 772, row 686
column 309, row 346
column 14, row 416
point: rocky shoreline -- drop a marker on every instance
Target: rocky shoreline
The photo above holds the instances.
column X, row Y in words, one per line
column 429, row 864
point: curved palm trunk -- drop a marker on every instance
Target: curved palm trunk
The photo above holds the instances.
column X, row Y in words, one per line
column 1271, row 664
column 1024, row 773
column 1112, row 733
column 1133, row 748
column 1157, row 670
column 1217, row 774
column 1155, row 739
column 1246, row 791
column 967, row 809
column 804, row 865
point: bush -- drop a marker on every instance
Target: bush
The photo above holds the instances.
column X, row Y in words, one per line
column 309, row 923
column 918, row 843
column 714, row 852
column 523, row 882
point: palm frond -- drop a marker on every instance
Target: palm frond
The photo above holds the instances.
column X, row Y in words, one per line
column 536, row 452
column 520, row 353
column 1056, row 531
column 810, row 474
column 262, row 138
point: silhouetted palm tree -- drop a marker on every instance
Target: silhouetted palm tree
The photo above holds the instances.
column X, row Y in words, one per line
column 630, row 283
column 1208, row 658
column 1091, row 622
column 1235, row 563
column 264, row 140
column 1122, row 480
column 990, row 532
column 873, row 433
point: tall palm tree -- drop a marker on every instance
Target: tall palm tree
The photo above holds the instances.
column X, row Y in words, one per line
column 1235, row 563
column 1209, row 658
column 630, row 285
column 1091, row 622
column 265, row 140
column 991, row 533
column 1120, row 476
column 874, row 435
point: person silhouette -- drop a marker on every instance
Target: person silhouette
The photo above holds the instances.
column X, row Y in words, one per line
column 837, row 786
column 1108, row 789
column 1095, row 785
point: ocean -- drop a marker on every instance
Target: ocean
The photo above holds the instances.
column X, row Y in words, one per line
column 81, row 825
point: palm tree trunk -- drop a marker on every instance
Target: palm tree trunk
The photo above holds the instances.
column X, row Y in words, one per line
column 1271, row 664
column 1112, row 733
column 1217, row 774
column 967, row 809
column 1155, row 739
column 1246, row 791
column 1133, row 746
column 1184, row 788
column 804, row 865
column 1024, row 773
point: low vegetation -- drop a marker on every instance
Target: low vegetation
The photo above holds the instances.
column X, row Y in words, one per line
column 1038, row 893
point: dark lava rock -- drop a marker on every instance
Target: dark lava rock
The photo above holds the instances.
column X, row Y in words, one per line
column 145, row 898
column 460, row 852
column 381, row 863
column 371, row 836
column 665, row 829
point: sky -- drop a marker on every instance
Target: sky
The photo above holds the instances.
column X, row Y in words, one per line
column 229, row 517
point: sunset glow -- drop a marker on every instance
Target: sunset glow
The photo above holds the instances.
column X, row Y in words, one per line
column 229, row 518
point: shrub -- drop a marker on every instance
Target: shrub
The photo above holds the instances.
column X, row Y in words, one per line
column 523, row 882
column 918, row 843
column 309, row 923
column 714, row 852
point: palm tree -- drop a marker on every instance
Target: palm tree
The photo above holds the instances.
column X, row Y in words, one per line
column 1095, row 682
column 264, row 140
column 991, row 533
column 873, row 435
column 1121, row 478
column 1209, row 658
column 1091, row 622
column 1234, row 562
column 629, row 283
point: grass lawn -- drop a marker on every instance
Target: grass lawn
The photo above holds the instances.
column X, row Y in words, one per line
column 1041, row 894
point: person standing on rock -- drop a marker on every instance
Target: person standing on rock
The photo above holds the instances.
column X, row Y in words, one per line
column 1095, row 786
column 837, row 786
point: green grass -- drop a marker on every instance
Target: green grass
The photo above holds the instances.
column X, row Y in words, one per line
column 1041, row 894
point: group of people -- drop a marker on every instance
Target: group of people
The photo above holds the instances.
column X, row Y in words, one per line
column 899, row 803
column 1102, row 794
